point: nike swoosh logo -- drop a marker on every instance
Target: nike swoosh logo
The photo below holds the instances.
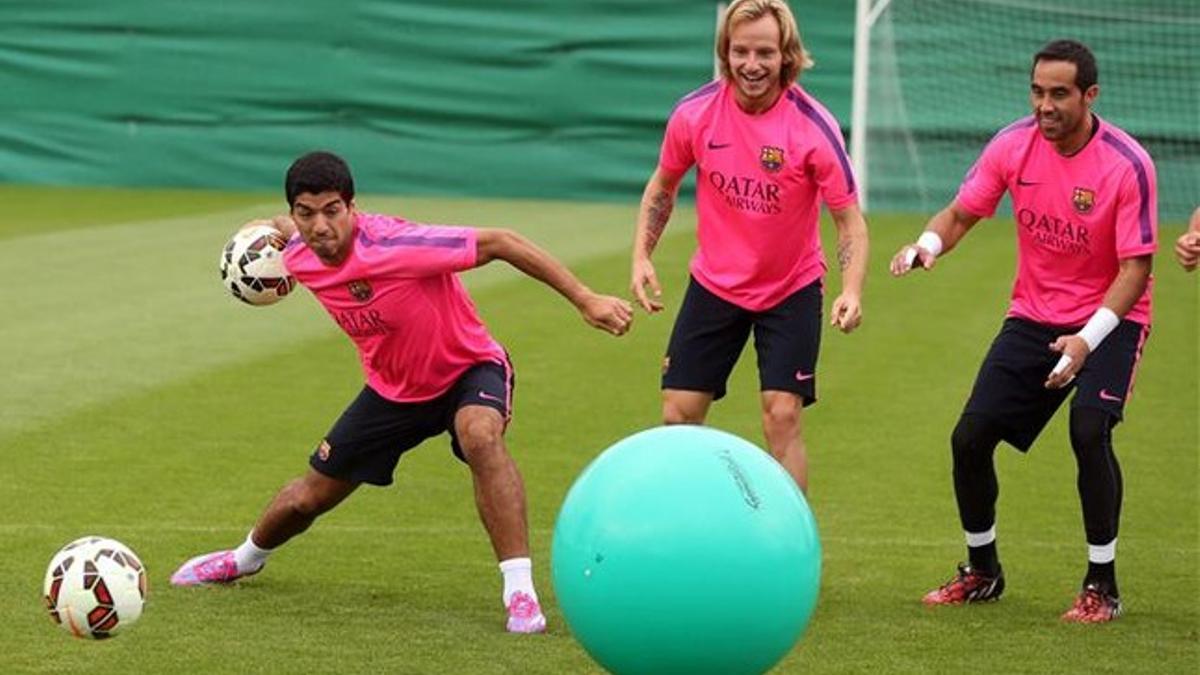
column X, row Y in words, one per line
column 718, row 146
column 801, row 376
column 488, row 397
column 1105, row 396
column 1026, row 183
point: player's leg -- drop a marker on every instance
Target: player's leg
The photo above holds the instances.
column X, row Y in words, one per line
column 362, row 447
column 295, row 507
column 680, row 406
column 499, row 490
column 292, row 511
column 1100, row 491
column 782, row 414
column 481, row 403
column 1103, row 388
column 787, row 340
column 1009, row 403
column 707, row 338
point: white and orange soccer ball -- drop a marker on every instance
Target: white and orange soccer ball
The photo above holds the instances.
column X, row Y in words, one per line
column 252, row 268
column 95, row 587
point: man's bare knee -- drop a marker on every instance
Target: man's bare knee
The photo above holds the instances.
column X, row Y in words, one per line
column 684, row 410
column 481, row 437
column 310, row 496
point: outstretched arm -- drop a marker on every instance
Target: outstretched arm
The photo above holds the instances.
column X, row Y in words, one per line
column 1122, row 294
column 658, row 200
column 1187, row 246
column 942, row 233
column 601, row 311
column 852, row 260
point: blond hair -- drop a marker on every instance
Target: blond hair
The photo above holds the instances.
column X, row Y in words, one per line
column 795, row 56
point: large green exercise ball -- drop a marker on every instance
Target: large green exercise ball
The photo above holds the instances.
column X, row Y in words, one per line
column 685, row 549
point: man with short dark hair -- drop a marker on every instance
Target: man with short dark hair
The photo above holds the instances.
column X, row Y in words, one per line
column 1084, row 200
column 430, row 364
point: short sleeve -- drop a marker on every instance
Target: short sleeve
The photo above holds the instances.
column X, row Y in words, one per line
column 1137, row 212
column 831, row 169
column 984, row 185
column 676, row 155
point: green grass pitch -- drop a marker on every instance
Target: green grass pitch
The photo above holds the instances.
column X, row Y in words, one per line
column 142, row 403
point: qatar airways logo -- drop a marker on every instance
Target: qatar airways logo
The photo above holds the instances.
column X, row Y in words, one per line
column 361, row 322
column 1056, row 233
column 746, row 194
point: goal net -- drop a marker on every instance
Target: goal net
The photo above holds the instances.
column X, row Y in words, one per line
column 934, row 79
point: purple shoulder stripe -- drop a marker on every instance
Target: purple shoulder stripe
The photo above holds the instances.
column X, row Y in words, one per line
column 1023, row 123
column 1143, row 181
column 412, row 240
column 706, row 90
column 834, row 140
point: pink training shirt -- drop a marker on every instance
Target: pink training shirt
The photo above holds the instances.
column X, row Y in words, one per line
column 759, row 179
column 1077, row 217
column 399, row 300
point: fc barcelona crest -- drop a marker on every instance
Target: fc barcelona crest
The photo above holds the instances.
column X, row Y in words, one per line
column 771, row 158
column 360, row 289
column 1083, row 199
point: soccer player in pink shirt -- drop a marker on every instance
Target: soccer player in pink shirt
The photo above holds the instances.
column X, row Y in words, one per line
column 767, row 154
column 1084, row 200
column 430, row 364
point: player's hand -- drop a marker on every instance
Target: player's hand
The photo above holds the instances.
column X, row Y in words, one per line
column 284, row 223
column 1187, row 250
column 607, row 313
column 847, row 312
column 1074, row 352
column 642, row 276
column 909, row 256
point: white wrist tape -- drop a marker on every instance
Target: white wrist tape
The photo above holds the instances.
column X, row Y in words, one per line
column 930, row 241
column 1098, row 327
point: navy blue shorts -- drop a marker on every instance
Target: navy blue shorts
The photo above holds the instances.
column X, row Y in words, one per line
column 367, row 441
column 1010, row 391
column 710, row 333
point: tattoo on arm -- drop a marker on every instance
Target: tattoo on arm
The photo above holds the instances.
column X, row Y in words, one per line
column 845, row 253
column 659, row 213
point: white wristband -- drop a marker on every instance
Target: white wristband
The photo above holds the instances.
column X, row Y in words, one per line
column 1098, row 327
column 930, row 241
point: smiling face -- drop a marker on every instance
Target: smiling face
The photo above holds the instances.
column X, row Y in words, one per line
column 1063, row 112
column 755, row 62
column 326, row 224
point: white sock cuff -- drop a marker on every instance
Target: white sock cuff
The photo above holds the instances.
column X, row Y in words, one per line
column 255, row 547
column 515, row 564
column 1103, row 554
column 976, row 539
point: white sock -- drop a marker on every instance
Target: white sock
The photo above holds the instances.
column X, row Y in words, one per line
column 250, row 557
column 518, row 576
column 1103, row 554
column 977, row 539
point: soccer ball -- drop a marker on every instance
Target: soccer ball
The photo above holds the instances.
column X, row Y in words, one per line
column 95, row 587
column 252, row 266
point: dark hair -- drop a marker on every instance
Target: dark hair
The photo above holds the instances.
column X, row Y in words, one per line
column 319, row 172
column 1070, row 51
